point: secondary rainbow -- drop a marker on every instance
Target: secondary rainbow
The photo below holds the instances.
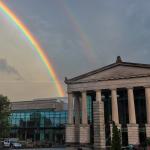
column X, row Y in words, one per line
column 86, row 43
column 7, row 12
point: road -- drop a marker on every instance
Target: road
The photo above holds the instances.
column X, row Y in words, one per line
column 69, row 148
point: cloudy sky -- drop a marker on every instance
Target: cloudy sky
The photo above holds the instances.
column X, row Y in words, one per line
column 77, row 36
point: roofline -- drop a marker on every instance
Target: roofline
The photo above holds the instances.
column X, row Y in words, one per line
column 39, row 99
column 77, row 82
column 67, row 81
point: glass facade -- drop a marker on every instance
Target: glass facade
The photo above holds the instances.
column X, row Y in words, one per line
column 90, row 116
column 89, row 109
column 39, row 125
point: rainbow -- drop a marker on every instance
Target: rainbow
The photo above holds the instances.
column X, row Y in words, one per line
column 86, row 44
column 7, row 12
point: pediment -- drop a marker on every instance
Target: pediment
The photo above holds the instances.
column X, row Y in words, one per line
column 114, row 71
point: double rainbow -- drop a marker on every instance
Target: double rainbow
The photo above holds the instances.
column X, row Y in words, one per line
column 7, row 12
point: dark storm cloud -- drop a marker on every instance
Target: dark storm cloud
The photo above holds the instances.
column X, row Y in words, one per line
column 7, row 68
column 113, row 27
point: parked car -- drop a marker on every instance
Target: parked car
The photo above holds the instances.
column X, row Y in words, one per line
column 14, row 144
column 6, row 143
column 10, row 143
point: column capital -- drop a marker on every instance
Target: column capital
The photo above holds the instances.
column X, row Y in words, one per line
column 98, row 90
column 146, row 86
column 83, row 91
column 69, row 92
column 129, row 87
column 113, row 89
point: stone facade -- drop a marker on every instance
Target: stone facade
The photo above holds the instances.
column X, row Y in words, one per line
column 84, row 134
column 148, row 130
column 133, row 134
column 99, row 125
column 109, row 79
column 70, row 134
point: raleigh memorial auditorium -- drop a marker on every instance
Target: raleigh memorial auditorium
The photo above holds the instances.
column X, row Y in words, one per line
column 119, row 92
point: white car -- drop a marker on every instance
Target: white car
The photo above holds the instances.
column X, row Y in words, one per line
column 14, row 144
column 10, row 143
column 6, row 143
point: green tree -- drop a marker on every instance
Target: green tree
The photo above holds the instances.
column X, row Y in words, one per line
column 116, row 140
column 4, row 116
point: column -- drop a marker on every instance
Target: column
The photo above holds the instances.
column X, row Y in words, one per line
column 84, row 127
column 84, row 108
column 131, row 106
column 70, row 128
column 70, row 108
column 133, row 133
column 147, row 96
column 115, row 115
column 114, row 104
column 77, row 112
column 99, row 123
column 98, row 96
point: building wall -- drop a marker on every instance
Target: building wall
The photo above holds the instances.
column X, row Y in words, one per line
column 120, row 93
column 44, row 122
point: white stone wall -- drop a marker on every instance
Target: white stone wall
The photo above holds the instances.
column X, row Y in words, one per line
column 70, row 134
column 133, row 134
column 147, row 130
column 99, row 126
column 84, row 134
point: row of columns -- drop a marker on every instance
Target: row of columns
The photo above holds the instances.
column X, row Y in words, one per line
column 77, row 132
column 83, row 108
column 132, row 127
column 131, row 105
column 115, row 115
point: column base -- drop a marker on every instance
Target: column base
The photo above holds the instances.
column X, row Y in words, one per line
column 70, row 134
column 133, row 134
column 77, row 134
column 84, row 134
column 147, row 130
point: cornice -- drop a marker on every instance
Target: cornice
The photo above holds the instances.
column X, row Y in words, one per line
column 107, row 79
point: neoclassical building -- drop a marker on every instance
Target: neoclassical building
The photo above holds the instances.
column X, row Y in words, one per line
column 119, row 92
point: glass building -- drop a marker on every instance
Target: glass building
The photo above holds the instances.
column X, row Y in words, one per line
column 44, row 122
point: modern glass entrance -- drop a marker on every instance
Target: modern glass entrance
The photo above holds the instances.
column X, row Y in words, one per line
column 39, row 125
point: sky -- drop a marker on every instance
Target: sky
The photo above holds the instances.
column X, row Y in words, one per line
column 77, row 36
